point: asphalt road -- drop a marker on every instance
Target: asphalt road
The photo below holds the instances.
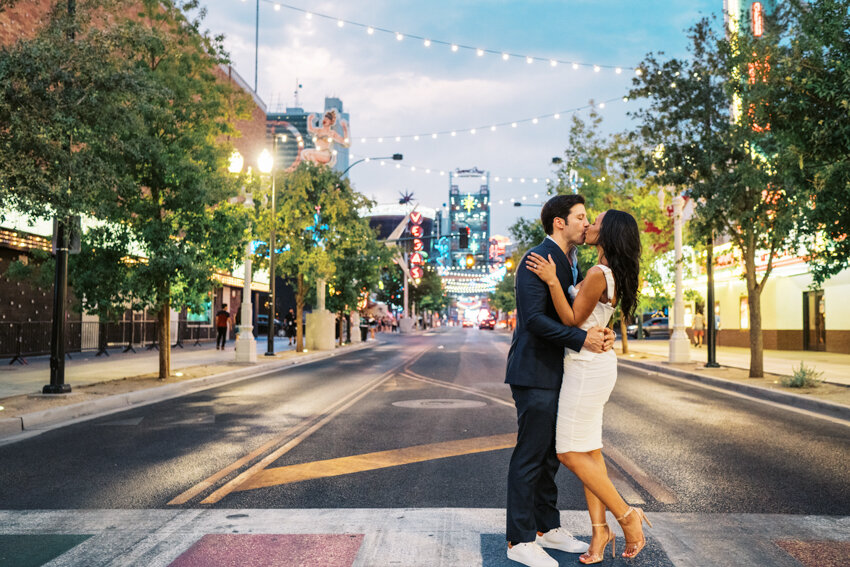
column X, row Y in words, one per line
column 423, row 422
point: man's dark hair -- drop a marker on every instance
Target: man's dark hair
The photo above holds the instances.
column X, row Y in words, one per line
column 223, row 305
column 558, row 206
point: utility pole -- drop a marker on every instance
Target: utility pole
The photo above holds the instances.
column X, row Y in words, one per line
column 711, row 338
column 60, row 279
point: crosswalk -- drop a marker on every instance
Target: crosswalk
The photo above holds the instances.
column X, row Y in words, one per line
column 410, row 537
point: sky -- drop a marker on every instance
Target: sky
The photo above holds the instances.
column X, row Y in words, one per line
column 393, row 87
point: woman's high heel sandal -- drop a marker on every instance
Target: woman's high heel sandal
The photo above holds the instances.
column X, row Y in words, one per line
column 634, row 547
column 592, row 557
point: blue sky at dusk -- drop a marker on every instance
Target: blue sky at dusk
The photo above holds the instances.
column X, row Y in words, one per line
column 393, row 87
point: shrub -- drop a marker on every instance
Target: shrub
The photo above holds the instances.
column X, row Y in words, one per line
column 803, row 377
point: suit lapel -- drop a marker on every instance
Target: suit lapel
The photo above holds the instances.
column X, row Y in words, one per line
column 565, row 273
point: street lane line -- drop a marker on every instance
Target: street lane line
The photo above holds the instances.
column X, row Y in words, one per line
column 474, row 391
column 288, row 434
column 653, row 486
column 378, row 460
column 338, row 408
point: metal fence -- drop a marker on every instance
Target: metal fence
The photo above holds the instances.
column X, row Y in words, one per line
column 19, row 340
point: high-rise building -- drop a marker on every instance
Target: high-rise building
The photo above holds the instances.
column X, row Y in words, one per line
column 469, row 208
column 320, row 137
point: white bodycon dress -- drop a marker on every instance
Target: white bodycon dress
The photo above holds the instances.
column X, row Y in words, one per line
column 588, row 381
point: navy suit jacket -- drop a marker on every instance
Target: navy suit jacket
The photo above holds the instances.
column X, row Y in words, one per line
column 536, row 357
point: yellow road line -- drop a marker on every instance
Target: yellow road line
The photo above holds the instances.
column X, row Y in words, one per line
column 292, row 443
column 380, row 460
column 210, row 481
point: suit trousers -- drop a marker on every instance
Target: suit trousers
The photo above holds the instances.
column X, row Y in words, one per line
column 532, row 492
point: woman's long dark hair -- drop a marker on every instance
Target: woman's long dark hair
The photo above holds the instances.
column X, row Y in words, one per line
column 619, row 238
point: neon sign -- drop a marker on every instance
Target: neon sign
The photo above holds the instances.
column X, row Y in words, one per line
column 757, row 19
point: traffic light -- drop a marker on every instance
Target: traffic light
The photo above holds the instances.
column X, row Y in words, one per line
column 470, row 259
column 509, row 264
column 463, row 241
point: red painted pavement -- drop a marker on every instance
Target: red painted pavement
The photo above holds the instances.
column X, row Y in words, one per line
column 818, row 553
column 272, row 550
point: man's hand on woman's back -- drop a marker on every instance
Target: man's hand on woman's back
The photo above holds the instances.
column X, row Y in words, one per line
column 599, row 339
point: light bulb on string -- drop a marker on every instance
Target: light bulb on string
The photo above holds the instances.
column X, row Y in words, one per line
column 399, row 36
column 370, row 30
column 479, row 52
column 529, row 60
column 427, row 43
column 505, row 56
column 339, row 23
column 454, row 47
column 277, row 7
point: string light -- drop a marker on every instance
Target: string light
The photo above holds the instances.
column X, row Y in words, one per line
column 479, row 51
column 494, row 179
column 493, row 127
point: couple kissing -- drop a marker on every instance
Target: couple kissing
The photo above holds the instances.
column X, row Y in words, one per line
column 561, row 369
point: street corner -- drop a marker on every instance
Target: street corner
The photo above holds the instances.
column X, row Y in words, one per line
column 272, row 550
column 493, row 554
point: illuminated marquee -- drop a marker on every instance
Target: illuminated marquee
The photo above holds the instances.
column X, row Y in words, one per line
column 415, row 260
column 757, row 19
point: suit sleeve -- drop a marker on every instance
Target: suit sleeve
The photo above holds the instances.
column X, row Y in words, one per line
column 533, row 295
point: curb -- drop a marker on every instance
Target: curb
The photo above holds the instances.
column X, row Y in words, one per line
column 73, row 413
column 822, row 407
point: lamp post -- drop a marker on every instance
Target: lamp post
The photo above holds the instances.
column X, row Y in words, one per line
column 394, row 157
column 266, row 165
column 679, row 344
column 246, row 350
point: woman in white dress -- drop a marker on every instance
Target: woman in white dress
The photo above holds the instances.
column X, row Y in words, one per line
column 589, row 378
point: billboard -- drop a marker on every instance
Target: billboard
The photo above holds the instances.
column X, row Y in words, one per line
column 320, row 138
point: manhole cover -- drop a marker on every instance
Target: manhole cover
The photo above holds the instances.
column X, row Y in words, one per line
column 440, row 404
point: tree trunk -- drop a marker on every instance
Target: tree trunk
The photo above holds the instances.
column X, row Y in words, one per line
column 624, row 335
column 754, row 305
column 299, row 314
column 164, row 334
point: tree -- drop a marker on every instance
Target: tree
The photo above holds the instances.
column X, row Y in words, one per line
column 725, row 161
column 504, row 296
column 610, row 178
column 62, row 109
column 359, row 259
column 318, row 230
column 177, row 216
column 429, row 293
column 810, row 122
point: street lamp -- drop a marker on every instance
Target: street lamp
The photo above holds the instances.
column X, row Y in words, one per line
column 266, row 166
column 394, row 157
column 246, row 350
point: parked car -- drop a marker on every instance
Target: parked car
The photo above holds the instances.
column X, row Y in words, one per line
column 263, row 324
column 466, row 324
column 487, row 324
column 653, row 326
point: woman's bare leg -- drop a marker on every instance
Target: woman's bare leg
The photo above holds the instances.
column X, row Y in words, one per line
column 591, row 470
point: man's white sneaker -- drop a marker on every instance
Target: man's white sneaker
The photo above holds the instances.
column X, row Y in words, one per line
column 561, row 539
column 531, row 554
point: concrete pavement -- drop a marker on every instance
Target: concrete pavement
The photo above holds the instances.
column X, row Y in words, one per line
column 835, row 366
column 448, row 537
column 84, row 369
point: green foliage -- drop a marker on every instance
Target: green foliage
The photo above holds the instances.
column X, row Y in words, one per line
column 696, row 297
column 429, row 294
column 526, row 235
column 63, row 105
column 504, row 297
column 803, row 377
column 38, row 269
column 811, row 123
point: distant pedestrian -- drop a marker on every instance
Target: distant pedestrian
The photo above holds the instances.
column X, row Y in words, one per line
column 699, row 329
column 289, row 326
column 222, row 321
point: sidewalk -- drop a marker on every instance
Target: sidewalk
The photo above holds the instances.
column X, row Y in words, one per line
column 835, row 367
column 84, row 369
column 830, row 398
column 105, row 385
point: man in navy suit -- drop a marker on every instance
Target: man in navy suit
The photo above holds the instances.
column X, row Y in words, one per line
column 535, row 371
